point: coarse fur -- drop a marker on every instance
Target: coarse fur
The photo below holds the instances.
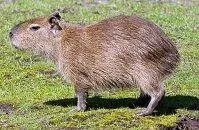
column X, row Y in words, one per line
column 122, row 51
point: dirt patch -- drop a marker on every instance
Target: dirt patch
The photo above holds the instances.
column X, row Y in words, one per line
column 189, row 124
column 186, row 123
column 6, row 108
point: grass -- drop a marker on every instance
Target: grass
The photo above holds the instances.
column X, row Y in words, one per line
column 33, row 96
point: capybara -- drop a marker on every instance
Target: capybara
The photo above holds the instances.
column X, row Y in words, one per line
column 121, row 51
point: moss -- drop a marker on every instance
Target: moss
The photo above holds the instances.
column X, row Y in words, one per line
column 43, row 100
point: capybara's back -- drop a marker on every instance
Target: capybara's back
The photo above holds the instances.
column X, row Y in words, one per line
column 126, row 50
column 122, row 51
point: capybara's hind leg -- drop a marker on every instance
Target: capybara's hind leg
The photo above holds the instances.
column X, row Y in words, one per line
column 143, row 99
column 156, row 94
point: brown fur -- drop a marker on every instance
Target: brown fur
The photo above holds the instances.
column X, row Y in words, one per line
column 116, row 52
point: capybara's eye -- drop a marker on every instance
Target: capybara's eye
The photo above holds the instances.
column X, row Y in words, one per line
column 34, row 28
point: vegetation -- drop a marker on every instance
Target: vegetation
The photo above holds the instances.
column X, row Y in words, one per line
column 34, row 96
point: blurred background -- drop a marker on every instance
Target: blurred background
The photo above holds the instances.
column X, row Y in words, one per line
column 183, row 2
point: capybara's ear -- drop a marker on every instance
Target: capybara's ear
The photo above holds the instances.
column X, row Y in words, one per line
column 54, row 21
column 56, row 14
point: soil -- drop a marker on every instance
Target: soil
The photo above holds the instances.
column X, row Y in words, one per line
column 6, row 109
column 186, row 123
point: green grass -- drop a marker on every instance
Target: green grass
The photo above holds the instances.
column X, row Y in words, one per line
column 42, row 100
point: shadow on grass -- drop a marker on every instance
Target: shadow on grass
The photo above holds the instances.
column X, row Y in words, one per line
column 167, row 106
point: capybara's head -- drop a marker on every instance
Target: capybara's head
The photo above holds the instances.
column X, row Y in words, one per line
column 40, row 34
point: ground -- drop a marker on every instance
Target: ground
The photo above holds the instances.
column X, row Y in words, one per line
column 34, row 96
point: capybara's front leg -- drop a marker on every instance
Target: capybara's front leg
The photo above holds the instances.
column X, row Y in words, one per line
column 81, row 100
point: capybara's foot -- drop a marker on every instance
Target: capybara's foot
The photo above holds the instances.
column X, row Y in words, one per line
column 81, row 108
column 144, row 112
column 76, row 109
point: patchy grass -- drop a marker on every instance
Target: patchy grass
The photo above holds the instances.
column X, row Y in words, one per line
column 33, row 96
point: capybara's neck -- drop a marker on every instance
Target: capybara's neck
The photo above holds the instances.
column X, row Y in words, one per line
column 72, row 37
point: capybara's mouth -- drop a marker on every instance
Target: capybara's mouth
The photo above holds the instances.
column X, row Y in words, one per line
column 14, row 46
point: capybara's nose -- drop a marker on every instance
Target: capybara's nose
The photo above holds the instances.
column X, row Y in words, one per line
column 11, row 34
